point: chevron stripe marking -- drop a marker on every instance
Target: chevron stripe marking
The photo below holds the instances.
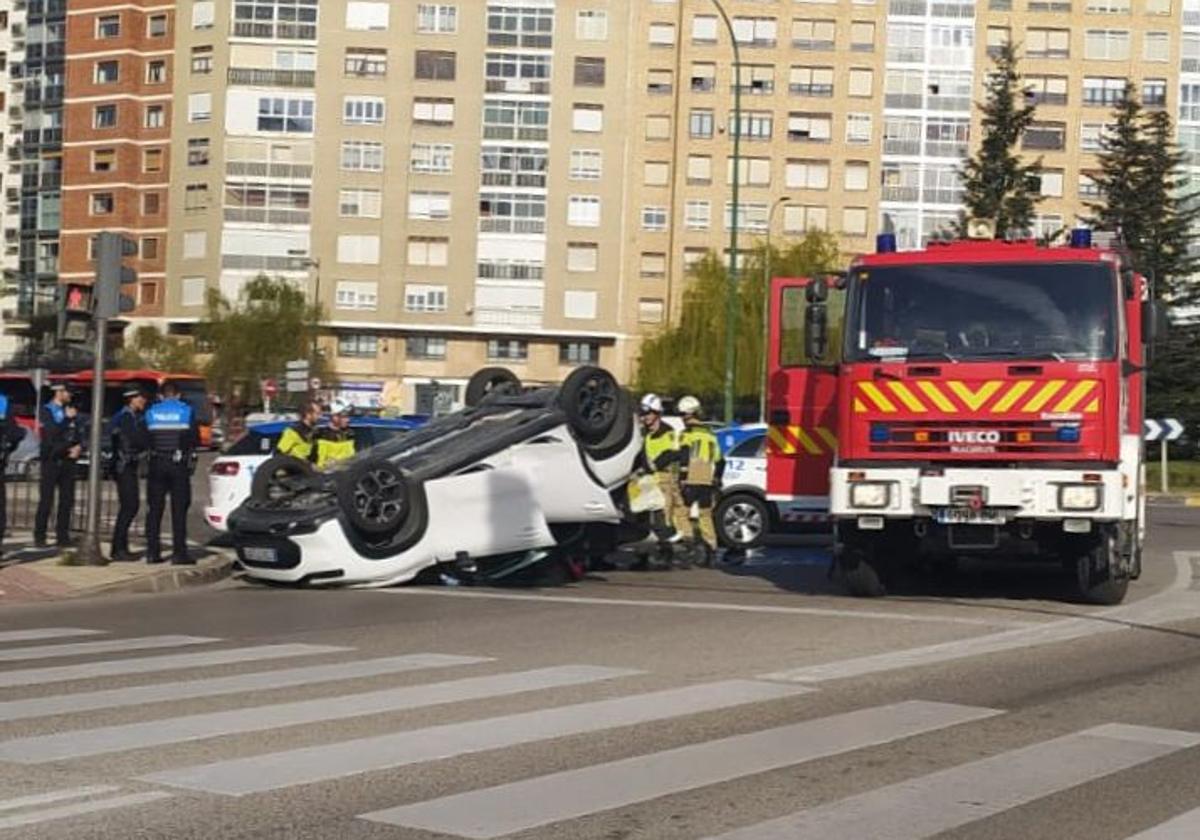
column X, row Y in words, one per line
column 1044, row 395
column 907, row 397
column 1012, row 396
column 859, row 406
column 974, row 400
column 1075, row 396
column 878, row 397
column 829, row 438
column 1093, row 407
column 777, row 438
column 810, row 445
column 936, row 396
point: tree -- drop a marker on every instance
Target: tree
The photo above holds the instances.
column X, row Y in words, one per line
column 254, row 337
column 999, row 185
column 689, row 356
column 151, row 349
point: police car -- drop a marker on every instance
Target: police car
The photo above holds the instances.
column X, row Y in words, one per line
column 517, row 478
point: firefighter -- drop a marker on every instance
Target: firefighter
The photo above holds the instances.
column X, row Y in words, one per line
column 659, row 457
column 173, row 436
column 335, row 443
column 11, row 436
column 60, row 450
column 299, row 439
column 130, row 442
column 701, row 466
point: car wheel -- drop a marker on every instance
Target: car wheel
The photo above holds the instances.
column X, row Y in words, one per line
column 280, row 476
column 742, row 521
column 618, row 437
column 1099, row 576
column 375, row 498
column 488, row 381
column 591, row 399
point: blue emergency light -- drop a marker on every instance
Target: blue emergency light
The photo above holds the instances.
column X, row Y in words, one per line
column 1081, row 238
column 880, row 434
column 1068, row 434
column 885, row 243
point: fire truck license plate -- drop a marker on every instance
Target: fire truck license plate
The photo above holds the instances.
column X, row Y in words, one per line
column 968, row 516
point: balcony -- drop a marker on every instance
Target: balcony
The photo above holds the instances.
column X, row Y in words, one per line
column 256, row 262
column 539, row 87
column 906, row 55
column 275, row 31
column 903, row 100
column 946, row 148
column 262, row 169
column 943, row 196
column 900, row 193
column 913, row 8
column 505, row 224
column 899, row 146
column 268, row 77
column 267, row 215
column 508, row 317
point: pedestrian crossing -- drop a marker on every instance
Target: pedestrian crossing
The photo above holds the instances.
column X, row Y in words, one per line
column 60, row 730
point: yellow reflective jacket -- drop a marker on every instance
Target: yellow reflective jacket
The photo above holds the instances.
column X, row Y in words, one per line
column 333, row 447
column 297, row 441
column 703, row 455
column 664, row 440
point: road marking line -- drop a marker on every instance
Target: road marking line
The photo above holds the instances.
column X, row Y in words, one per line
column 63, row 704
column 55, row 796
column 495, row 811
column 81, row 808
column 153, row 664
column 45, row 633
column 1171, row 604
column 952, row 798
column 107, row 646
column 107, row 739
column 711, row 605
column 257, row 774
column 1184, row 827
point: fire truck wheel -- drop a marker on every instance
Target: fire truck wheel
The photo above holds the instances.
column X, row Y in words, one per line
column 1099, row 576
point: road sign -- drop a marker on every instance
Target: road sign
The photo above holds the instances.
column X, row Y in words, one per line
column 315, row 384
column 298, row 365
column 1167, row 429
column 270, row 388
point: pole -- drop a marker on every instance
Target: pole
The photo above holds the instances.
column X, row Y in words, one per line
column 766, row 314
column 91, row 552
column 731, row 291
column 1164, row 480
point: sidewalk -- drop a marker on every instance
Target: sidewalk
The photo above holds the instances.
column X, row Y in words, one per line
column 1175, row 499
column 40, row 574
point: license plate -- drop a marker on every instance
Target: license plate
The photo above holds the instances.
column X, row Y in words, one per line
column 969, row 516
column 261, row 555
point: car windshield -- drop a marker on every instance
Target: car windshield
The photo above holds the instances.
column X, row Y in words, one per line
column 1062, row 311
column 254, row 443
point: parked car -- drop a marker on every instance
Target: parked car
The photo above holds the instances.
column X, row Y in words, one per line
column 231, row 475
column 515, row 479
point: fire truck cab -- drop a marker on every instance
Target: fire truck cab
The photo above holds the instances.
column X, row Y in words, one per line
column 972, row 397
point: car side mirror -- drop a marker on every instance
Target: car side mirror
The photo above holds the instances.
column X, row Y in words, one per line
column 816, row 331
column 817, row 291
column 1155, row 325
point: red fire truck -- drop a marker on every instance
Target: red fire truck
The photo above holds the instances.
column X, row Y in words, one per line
column 978, row 396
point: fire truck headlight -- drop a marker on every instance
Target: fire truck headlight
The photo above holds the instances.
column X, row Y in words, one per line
column 870, row 494
column 1079, row 497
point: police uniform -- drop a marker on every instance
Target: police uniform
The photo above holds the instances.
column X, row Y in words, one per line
column 129, row 445
column 333, row 445
column 60, row 434
column 700, row 471
column 10, row 437
column 298, row 441
column 173, row 435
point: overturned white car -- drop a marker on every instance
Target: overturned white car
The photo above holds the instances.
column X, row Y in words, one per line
column 513, row 478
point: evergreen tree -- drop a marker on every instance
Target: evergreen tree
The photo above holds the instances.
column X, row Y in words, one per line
column 999, row 185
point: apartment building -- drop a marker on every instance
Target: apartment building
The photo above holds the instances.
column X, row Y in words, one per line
column 526, row 182
column 12, row 54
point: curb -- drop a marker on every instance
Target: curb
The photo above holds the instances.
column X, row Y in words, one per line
column 170, row 579
column 1175, row 500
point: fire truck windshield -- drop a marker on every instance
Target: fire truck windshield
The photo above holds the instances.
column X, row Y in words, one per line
column 1063, row 311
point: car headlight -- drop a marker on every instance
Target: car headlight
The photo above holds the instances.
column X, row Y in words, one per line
column 870, row 494
column 1079, row 497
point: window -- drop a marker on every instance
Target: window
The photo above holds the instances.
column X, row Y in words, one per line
column 587, row 117
column 151, row 203
column 530, row 26
column 700, row 123
column 1106, row 44
column 353, row 295
column 583, row 211
column 756, row 125
column 202, row 60
column 755, row 172
column 1047, row 90
column 859, row 128
column 757, row 79
column 147, row 294
column 428, row 206
column 358, row 249
column 195, row 244
column 756, row 31
column 435, row 65
column 998, row 37
column 510, row 119
column 854, row 221
column 1045, row 136
column 152, row 160
column 1154, row 93
column 862, row 36
column 1158, row 7
column 579, row 352
column 658, row 127
column 662, row 34
column 365, row 16
column 947, row 137
column 156, row 26
column 192, row 291
column 429, row 250
column 650, row 310
column 285, row 19
column 195, row 197
column 904, row 88
column 437, row 18
column 290, row 114
column 1089, row 187
column 433, row 111
column 107, row 72
column 1048, row 43
column 102, row 204
column 801, row 218
column 589, row 72
column 362, row 156
column 704, row 29
column 654, row 218
column 699, row 169
column 1107, row 7
column 156, row 72
column 425, row 347
column 591, row 25
column 810, row 81
column 104, row 116
column 104, row 160
column 704, row 77
column 365, row 62
column 358, row 345
column 362, row 110
column 660, row 82
column 653, row 265
column 1091, row 136
column 580, row 305
column 585, row 165
column 203, row 14
column 810, row 128
column 862, row 81
column 432, row 158
column 583, row 256
column 1157, row 46
column 1051, row 183
column 360, row 203
column 813, row 34
column 199, row 107
column 808, row 174
column 697, row 214
column 752, row 215
column 520, row 72
column 513, row 350
column 941, row 185
column 1103, row 90
column 857, row 176
column 108, row 26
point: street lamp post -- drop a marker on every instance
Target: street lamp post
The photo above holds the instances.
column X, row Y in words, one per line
column 731, row 291
column 766, row 314
column 314, row 265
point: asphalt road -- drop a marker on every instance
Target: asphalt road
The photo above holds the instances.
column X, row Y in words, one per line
column 752, row 703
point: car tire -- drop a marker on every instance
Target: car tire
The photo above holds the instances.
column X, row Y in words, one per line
column 488, row 381
column 1099, row 576
column 281, row 475
column 376, row 498
column 591, row 400
column 618, row 437
column 742, row 521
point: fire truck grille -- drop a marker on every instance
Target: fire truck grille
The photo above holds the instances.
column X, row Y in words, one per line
column 976, row 437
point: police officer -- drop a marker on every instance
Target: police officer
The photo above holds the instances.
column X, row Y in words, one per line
column 299, row 439
column 173, row 436
column 335, row 443
column 701, row 466
column 60, row 450
column 129, row 444
column 11, row 436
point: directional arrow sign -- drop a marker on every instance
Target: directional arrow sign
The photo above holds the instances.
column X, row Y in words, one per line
column 1168, row 429
column 1174, row 429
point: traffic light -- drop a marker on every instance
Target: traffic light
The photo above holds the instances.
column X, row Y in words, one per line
column 74, row 312
column 112, row 275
